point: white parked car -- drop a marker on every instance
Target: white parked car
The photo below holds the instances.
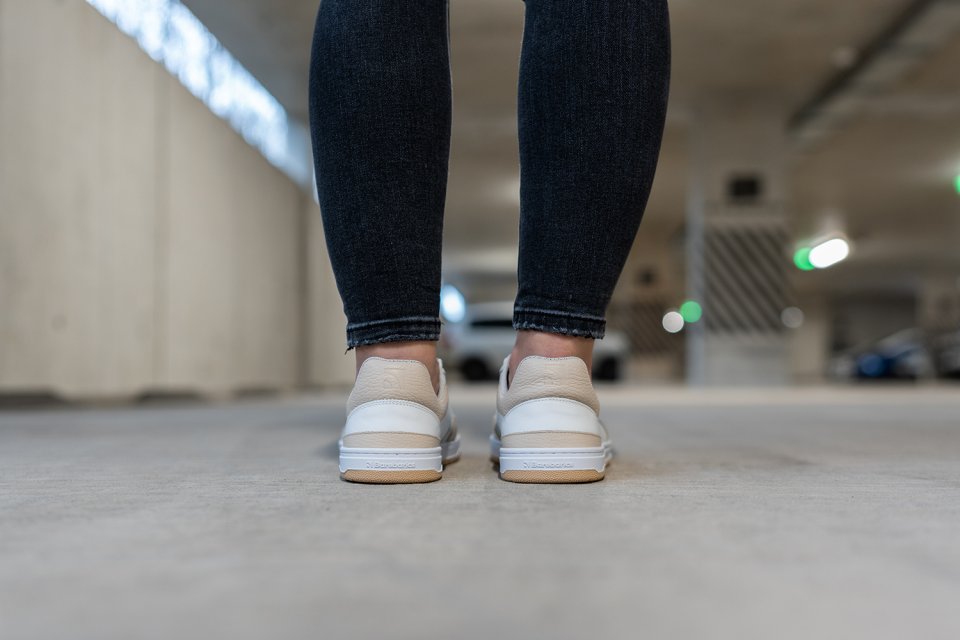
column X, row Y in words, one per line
column 477, row 345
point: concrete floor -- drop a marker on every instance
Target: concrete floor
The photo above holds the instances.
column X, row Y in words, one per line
column 767, row 514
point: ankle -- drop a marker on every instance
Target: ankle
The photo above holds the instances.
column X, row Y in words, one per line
column 550, row 345
column 421, row 351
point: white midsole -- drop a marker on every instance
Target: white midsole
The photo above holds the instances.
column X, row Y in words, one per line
column 397, row 459
column 550, row 458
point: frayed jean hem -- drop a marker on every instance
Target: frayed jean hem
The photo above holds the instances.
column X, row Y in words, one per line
column 412, row 329
column 569, row 324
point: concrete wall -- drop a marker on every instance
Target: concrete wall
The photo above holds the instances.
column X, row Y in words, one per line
column 143, row 244
column 328, row 364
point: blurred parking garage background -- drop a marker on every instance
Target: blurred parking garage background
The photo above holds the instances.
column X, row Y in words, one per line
column 160, row 244
column 159, row 236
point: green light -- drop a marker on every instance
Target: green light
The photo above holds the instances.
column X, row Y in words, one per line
column 956, row 183
column 802, row 259
column 691, row 311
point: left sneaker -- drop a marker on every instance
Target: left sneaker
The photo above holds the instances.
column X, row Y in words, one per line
column 399, row 430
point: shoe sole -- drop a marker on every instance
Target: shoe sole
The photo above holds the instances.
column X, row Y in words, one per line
column 552, row 477
column 550, row 465
column 390, row 477
column 384, row 465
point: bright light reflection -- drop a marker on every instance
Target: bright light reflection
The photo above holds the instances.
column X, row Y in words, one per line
column 691, row 311
column 792, row 317
column 170, row 34
column 453, row 306
column 829, row 253
column 801, row 258
column 673, row 322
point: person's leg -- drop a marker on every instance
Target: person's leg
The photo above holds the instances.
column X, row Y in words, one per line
column 594, row 77
column 380, row 107
column 380, row 118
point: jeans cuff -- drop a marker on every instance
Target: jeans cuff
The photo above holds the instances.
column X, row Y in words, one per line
column 408, row 329
column 562, row 322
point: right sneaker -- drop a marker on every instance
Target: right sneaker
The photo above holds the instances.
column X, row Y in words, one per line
column 547, row 428
column 398, row 430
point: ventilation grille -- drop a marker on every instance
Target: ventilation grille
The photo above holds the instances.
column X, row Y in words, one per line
column 745, row 277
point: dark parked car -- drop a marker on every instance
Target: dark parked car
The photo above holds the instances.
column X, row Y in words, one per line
column 902, row 355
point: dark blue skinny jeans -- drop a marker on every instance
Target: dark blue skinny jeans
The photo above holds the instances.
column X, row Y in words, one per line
column 594, row 77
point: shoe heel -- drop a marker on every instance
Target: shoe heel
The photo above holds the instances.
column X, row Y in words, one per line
column 390, row 466
column 550, row 465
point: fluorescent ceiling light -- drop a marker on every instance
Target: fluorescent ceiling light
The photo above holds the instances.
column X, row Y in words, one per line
column 829, row 253
column 170, row 34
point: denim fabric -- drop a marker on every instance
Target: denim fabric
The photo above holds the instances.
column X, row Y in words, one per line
column 592, row 98
column 380, row 108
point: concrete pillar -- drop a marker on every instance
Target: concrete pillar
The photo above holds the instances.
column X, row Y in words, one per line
column 736, row 258
column 809, row 344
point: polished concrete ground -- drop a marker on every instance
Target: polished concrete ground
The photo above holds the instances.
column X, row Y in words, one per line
column 766, row 514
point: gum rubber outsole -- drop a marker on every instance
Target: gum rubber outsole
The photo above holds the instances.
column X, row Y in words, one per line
column 550, row 465
column 366, row 476
column 579, row 476
column 405, row 476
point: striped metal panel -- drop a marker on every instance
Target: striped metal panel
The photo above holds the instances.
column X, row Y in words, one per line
column 746, row 284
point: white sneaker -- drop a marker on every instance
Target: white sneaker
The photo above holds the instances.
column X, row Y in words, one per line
column 547, row 427
column 398, row 429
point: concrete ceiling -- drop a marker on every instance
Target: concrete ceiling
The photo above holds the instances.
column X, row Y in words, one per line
column 890, row 167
